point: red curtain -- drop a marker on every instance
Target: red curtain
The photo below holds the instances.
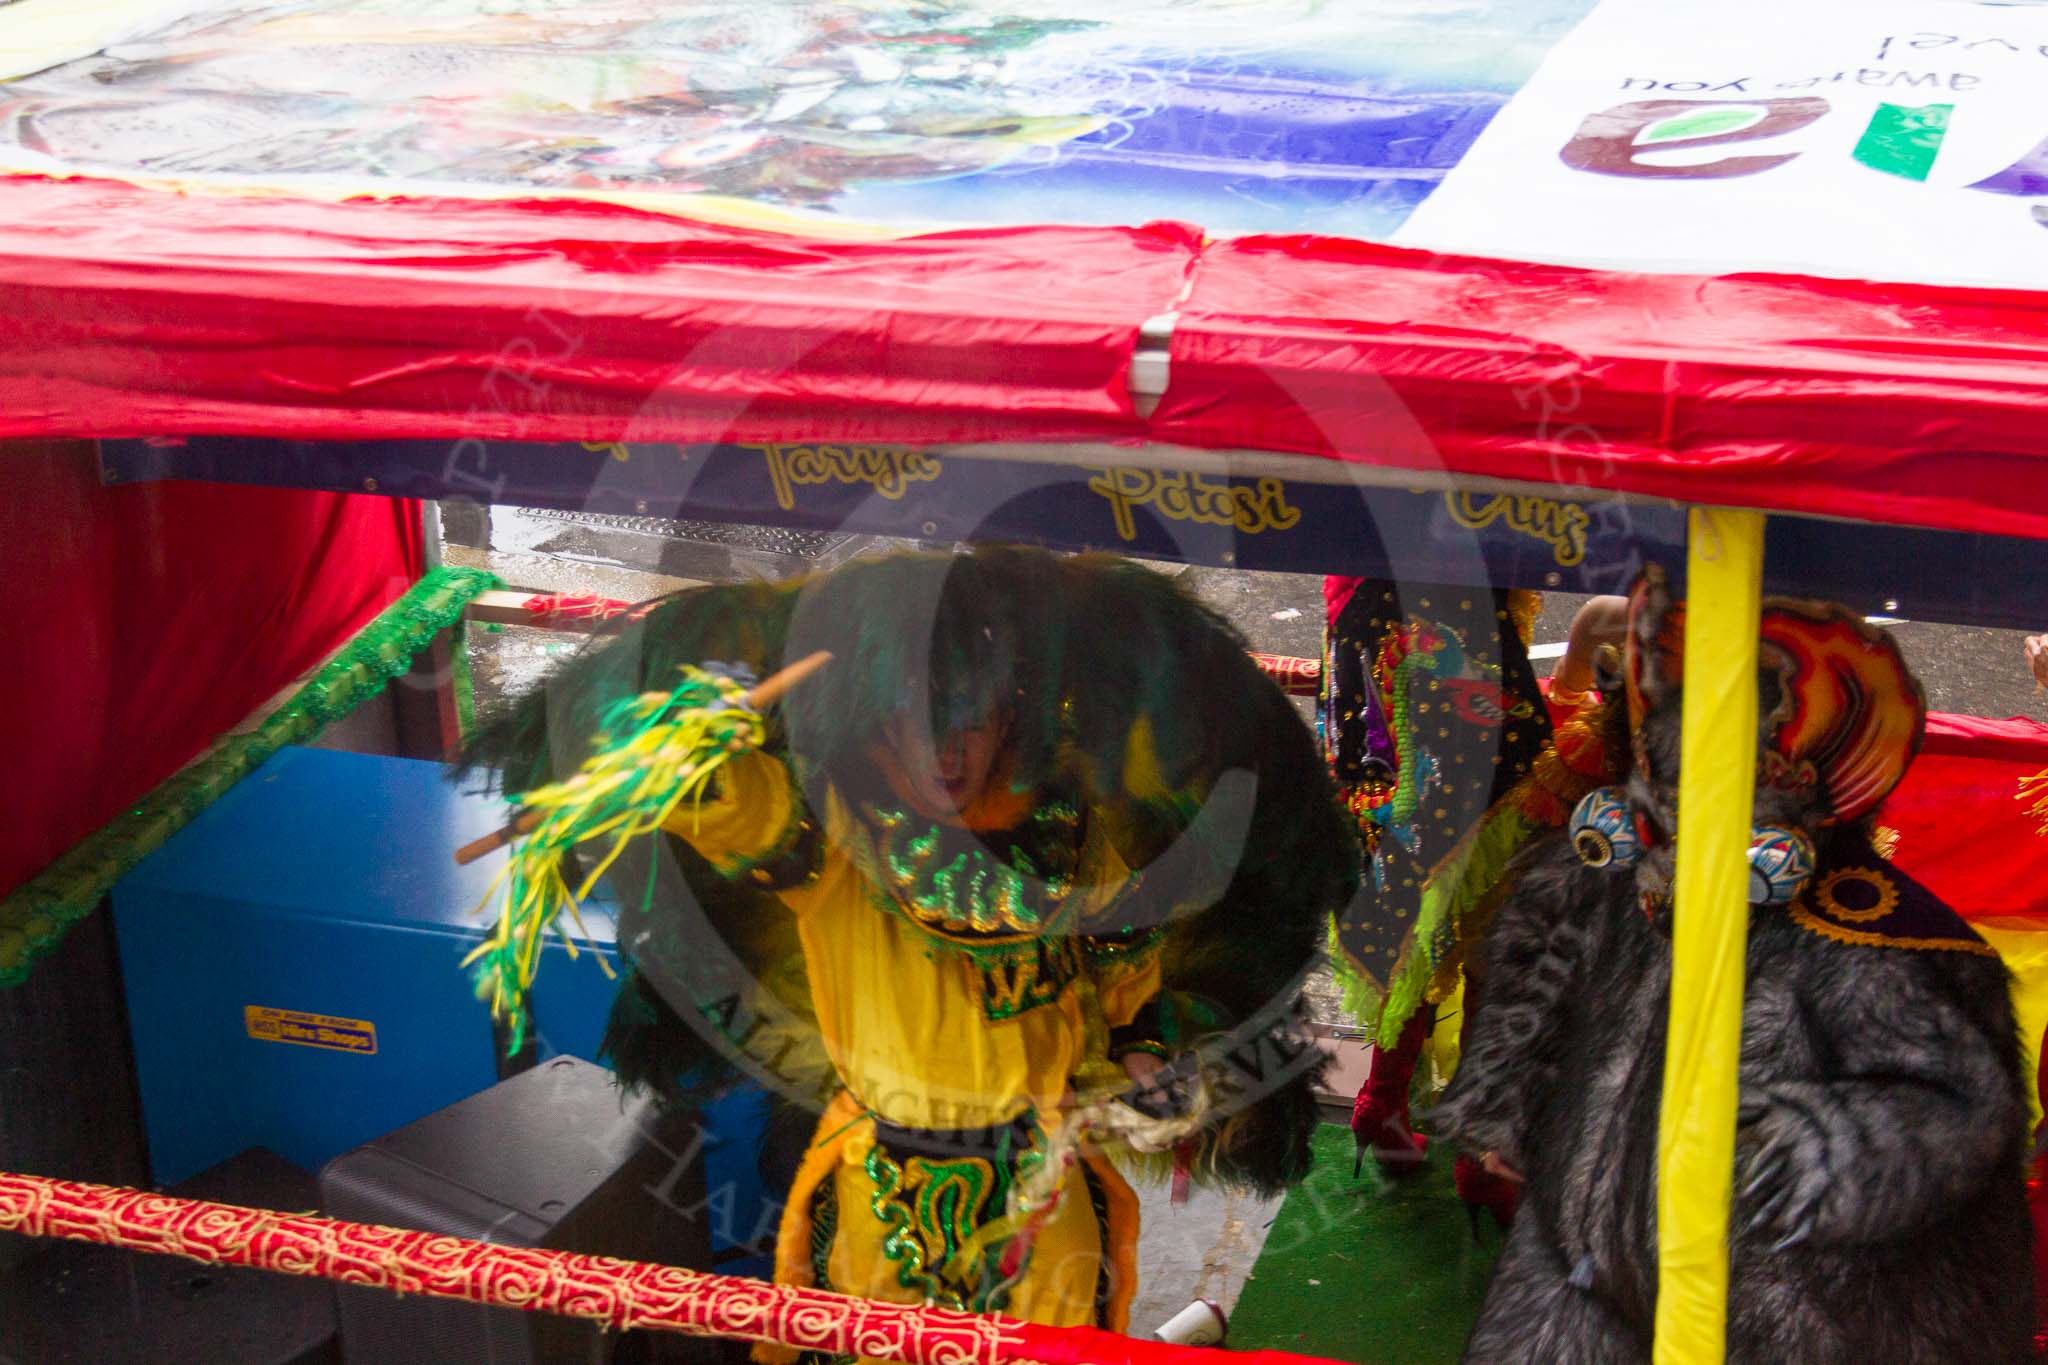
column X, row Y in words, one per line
column 1963, row 830
column 142, row 622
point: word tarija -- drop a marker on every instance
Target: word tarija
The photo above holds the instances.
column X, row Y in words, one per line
column 1560, row 525
column 889, row 470
column 1183, row 496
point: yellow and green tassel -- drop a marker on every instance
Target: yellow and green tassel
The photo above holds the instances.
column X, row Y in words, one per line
column 652, row 753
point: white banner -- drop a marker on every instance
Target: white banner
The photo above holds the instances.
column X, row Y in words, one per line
column 1897, row 140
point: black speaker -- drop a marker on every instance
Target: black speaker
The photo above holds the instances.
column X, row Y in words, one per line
column 552, row 1158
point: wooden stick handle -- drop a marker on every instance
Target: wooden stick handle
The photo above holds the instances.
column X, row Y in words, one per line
column 496, row 839
column 764, row 694
column 771, row 688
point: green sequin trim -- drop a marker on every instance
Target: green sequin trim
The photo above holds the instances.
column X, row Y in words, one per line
column 35, row 916
column 900, row 1243
column 1021, row 984
column 824, row 1228
column 993, row 909
column 1122, row 951
column 1407, row 749
column 950, row 1201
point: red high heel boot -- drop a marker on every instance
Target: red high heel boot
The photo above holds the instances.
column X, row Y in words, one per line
column 1480, row 1189
column 1484, row 1192
column 1379, row 1116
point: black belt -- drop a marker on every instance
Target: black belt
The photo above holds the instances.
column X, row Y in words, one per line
column 1003, row 1141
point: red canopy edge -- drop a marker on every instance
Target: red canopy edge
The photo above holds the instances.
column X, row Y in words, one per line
column 1042, row 1345
column 136, row 312
column 1883, row 402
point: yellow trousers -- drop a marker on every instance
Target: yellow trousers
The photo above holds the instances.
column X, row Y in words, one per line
column 1061, row 1284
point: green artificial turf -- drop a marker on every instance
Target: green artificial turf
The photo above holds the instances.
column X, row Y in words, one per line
column 1372, row 1270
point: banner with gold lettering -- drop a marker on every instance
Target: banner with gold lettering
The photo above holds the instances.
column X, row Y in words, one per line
column 1289, row 525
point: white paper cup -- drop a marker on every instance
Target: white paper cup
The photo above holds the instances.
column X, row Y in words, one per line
column 1201, row 1323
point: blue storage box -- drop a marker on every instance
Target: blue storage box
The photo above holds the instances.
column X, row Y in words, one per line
column 293, row 969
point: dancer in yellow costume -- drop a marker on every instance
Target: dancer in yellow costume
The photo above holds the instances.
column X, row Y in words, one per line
column 1025, row 1001
column 1040, row 846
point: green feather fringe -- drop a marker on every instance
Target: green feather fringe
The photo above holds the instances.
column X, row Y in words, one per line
column 1460, row 883
column 655, row 752
column 1362, row 997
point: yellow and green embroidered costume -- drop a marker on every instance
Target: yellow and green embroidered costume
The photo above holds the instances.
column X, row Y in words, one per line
column 909, row 1157
column 1150, row 869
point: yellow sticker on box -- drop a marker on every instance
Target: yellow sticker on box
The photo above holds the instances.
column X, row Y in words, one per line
column 310, row 1030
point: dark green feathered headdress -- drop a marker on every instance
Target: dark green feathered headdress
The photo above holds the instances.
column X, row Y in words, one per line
column 1121, row 693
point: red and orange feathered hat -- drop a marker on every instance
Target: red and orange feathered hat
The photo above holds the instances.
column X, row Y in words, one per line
column 1849, row 717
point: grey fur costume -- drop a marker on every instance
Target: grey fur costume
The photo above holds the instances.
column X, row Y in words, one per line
column 1879, row 1214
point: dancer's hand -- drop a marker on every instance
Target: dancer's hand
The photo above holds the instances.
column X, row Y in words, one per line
column 2036, row 650
column 1142, row 1067
column 1600, row 622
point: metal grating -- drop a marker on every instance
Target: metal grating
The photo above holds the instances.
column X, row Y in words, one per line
column 765, row 539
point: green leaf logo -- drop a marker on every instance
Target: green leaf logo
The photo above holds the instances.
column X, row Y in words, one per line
column 1703, row 123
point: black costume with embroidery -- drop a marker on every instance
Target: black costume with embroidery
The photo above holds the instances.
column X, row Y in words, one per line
column 1430, row 714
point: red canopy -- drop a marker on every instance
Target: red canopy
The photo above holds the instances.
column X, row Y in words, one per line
column 130, row 311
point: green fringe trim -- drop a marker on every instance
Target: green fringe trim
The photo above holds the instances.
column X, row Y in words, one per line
column 465, row 679
column 1460, row 883
column 1361, row 995
column 653, row 754
column 35, row 916
column 1407, row 752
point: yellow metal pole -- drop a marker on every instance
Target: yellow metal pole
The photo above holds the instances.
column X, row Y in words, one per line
column 1717, row 774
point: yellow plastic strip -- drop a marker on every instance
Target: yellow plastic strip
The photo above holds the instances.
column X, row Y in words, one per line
column 1717, row 777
